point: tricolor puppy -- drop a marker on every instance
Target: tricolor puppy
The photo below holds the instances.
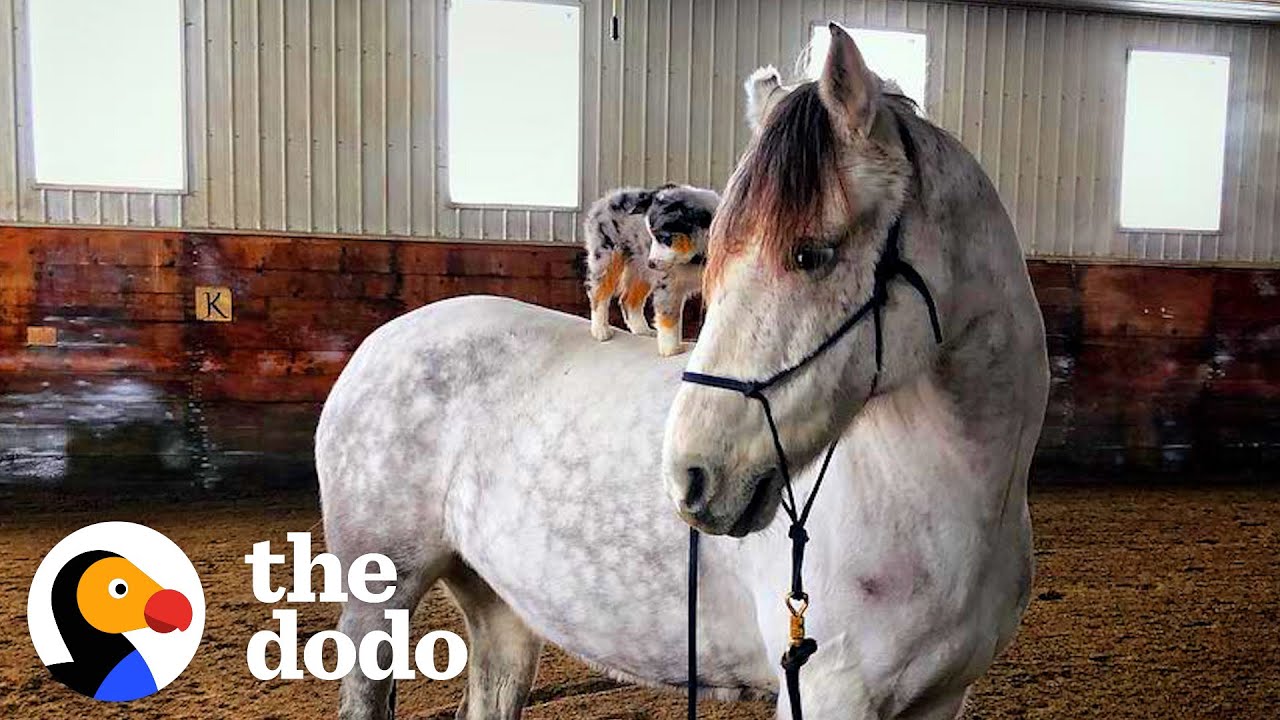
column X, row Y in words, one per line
column 647, row 242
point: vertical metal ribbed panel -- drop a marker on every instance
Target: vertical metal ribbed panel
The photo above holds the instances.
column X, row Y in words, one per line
column 326, row 116
column 10, row 179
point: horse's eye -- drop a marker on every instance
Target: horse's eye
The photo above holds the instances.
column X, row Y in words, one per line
column 812, row 258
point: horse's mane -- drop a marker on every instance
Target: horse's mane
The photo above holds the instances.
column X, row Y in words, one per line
column 778, row 190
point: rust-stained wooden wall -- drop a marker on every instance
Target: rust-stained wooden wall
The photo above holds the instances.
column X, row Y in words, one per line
column 1154, row 367
column 137, row 389
column 1161, row 368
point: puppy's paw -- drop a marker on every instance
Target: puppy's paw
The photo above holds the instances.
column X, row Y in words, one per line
column 669, row 346
column 644, row 330
column 601, row 332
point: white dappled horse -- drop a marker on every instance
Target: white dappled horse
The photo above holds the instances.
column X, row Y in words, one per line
column 496, row 447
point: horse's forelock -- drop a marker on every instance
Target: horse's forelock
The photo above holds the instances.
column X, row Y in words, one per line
column 777, row 193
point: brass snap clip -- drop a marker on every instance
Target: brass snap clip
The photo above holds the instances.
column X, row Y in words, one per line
column 797, row 608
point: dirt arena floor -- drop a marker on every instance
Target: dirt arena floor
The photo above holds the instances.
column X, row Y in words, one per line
column 1148, row 604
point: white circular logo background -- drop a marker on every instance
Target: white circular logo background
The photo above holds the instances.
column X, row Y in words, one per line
column 154, row 554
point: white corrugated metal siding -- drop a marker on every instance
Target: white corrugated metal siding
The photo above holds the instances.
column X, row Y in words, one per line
column 323, row 116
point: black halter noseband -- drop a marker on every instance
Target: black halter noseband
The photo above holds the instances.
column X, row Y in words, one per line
column 889, row 267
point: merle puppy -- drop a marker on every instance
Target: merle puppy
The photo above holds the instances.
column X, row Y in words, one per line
column 647, row 242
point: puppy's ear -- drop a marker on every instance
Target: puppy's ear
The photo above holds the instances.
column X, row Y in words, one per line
column 764, row 90
column 641, row 202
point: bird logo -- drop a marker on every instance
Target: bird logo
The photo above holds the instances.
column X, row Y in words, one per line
column 116, row 611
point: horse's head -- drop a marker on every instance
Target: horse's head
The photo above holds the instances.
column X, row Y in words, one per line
column 793, row 253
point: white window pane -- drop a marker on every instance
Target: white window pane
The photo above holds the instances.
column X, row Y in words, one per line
column 514, row 103
column 106, row 93
column 1175, row 122
column 891, row 54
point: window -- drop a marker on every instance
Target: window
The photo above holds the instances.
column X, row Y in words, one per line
column 106, row 93
column 513, row 103
column 891, row 54
column 1175, row 120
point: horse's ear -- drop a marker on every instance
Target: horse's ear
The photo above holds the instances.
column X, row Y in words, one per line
column 764, row 90
column 847, row 87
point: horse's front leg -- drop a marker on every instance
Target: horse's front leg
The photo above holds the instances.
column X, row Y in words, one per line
column 946, row 706
column 834, row 687
column 830, row 689
column 833, row 682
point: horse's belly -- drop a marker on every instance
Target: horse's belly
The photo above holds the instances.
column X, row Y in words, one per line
column 591, row 556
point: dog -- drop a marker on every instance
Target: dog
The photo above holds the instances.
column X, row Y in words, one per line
column 647, row 242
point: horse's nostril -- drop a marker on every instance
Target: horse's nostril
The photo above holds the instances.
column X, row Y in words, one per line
column 694, row 499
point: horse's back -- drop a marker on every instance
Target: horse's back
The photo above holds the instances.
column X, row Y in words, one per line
column 416, row 363
column 386, row 423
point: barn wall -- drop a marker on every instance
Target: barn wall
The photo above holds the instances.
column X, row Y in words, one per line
column 1153, row 368
column 137, row 390
column 323, row 116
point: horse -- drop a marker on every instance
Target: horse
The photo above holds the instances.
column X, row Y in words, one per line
column 487, row 444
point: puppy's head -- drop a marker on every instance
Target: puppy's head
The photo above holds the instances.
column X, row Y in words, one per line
column 678, row 218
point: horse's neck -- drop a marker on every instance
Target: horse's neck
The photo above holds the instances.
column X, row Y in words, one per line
column 907, row 485
column 967, row 424
column 918, row 445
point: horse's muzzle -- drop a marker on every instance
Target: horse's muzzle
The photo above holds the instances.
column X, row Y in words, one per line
column 690, row 488
column 704, row 502
column 762, row 506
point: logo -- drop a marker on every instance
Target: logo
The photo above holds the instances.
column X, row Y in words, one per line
column 374, row 568
column 116, row 611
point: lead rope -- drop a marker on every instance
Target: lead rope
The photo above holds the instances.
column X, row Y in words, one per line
column 693, row 623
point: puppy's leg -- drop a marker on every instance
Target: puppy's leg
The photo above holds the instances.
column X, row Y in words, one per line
column 601, row 286
column 634, row 294
column 668, row 313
